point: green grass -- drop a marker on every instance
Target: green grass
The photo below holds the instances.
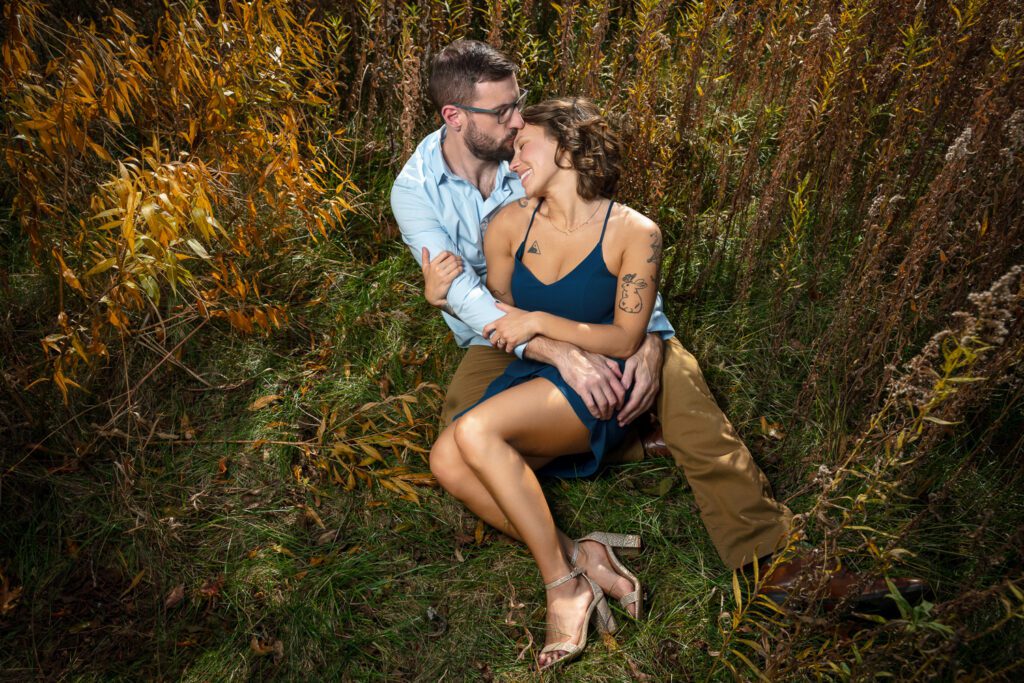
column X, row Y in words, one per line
column 255, row 564
column 361, row 585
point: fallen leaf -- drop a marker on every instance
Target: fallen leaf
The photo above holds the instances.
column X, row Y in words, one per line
column 278, row 548
column 772, row 430
column 8, row 597
column 312, row 515
column 264, row 401
column 478, row 533
column 176, row 595
column 211, row 587
column 133, row 584
column 327, row 537
column 258, row 648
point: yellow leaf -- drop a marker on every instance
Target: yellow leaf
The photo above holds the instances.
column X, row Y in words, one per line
column 198, row 248
column 736, row 589
column 264, row 401
column 134, row 583
column 128, row 223
column 370, row 451
column 103, row 266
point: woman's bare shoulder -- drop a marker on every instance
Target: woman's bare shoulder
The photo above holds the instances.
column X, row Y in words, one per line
column 633, row 223
column 513, row 216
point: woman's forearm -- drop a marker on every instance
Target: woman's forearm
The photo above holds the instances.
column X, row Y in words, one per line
column 609, row 340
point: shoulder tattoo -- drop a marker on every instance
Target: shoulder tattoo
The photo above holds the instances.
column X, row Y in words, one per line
column 534, row 248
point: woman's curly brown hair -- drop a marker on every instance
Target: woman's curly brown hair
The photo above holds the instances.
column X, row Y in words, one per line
column 593, row 148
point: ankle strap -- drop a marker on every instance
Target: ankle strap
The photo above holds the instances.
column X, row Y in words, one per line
column 568, row 577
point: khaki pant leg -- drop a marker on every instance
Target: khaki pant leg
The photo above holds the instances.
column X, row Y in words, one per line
column 733, row 495
column 476, row 370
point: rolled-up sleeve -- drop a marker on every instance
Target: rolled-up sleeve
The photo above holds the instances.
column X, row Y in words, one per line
column 659, row 323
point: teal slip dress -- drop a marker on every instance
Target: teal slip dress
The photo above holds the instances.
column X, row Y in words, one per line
column 587, row 294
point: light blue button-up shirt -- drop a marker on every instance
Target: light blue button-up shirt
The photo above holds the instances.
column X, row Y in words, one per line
column 439, row 210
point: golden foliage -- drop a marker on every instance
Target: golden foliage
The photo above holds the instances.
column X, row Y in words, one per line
column 193, row 160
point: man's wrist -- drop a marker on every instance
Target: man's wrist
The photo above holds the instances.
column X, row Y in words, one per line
column 542, row 349
column 653, row 344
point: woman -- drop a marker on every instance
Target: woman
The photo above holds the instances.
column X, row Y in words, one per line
column 570, row 264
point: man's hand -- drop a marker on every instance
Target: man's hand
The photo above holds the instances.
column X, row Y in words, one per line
column 643, row 373
column 595, row 378
column 438, row 275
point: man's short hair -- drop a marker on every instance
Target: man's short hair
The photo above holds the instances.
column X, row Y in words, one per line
column 460, row 66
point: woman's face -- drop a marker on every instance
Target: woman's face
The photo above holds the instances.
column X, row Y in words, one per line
column 534, row 160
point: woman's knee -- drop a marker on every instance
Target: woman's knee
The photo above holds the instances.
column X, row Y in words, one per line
column 473, row 435
column 445, row 461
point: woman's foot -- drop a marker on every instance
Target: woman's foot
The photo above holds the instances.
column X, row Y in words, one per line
column 568, row 608
column 593, row 558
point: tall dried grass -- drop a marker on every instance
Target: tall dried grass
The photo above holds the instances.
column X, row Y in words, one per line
column 856, row 168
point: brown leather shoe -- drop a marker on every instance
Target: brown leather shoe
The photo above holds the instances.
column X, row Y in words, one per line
column 795, row 581
column 654, row 442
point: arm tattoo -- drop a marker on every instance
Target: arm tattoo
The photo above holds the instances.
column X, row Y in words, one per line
column 630, row 301
column 656, row 255
column 534, row 248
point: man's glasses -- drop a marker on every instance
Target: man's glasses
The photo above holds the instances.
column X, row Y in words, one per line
column 503, row 113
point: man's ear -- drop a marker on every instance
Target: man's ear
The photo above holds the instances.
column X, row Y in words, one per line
column 452, row 116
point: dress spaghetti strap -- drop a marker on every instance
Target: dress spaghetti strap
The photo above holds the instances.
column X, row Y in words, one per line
column 532, row 216
column 606, row 217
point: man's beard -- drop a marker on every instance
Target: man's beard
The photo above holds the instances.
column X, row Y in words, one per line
column 485, row 148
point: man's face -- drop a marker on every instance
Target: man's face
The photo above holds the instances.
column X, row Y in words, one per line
column 486, row 138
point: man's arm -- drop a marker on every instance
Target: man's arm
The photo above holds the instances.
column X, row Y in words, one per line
column 595, row 378
column 467, row 298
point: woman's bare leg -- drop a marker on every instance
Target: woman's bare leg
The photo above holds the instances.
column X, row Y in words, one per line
column 460, row 480
column 533, row 417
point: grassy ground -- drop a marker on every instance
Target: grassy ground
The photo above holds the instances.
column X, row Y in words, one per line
column 237, row 558
column 282, row 573
column 218, row 540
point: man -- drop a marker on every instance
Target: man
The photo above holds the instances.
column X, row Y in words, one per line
column 455, row 181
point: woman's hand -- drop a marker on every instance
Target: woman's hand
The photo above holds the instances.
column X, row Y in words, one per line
column 512, row 329
column 438, row 275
